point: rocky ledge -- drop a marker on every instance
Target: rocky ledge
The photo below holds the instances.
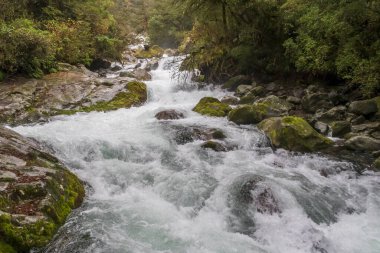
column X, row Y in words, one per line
column 66, row 92
column 37, row 193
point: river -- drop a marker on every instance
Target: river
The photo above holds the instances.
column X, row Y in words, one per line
column 147, row 192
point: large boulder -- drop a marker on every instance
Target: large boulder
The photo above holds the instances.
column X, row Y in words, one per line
column 212, row 107
column 37, row 193
column 293, row 133
column 270, row 106
column 363, row 107
column 65, row 93
column 363, row 143
column 234, row 82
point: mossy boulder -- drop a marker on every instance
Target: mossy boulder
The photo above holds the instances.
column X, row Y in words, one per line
column 37, row 193
column 248, row 114
column 235, row 81
column 293, row 133
column 150, row 52
column 376, row 164
column 212, row 107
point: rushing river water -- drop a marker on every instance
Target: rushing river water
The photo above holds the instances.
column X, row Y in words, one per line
column 148, row 193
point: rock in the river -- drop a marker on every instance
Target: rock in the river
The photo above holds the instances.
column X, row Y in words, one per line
column 185, row 135
column 243, row 89
column 169, row 115
column 37, row 193
column 363, row 107
column 340, row 128
column 31, row 100
column 321, row 127
column 293, row 133
column 234, row 82
column 127, row 74
column 363, row 143
column 99, row 63
column 214, row 145
column 142, row 74
column 212, row 107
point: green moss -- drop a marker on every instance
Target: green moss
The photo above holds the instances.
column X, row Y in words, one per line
column 248, row 114
column 154, row 51
column 212, row 107
column 25, row 237
column 218, row 134
column 294, row 133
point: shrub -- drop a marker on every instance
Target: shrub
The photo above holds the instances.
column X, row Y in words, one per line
column 25, row 48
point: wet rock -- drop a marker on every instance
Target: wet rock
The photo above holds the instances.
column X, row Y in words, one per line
column 366, row 128
column 99, row 63
column 363, row 107
column 216, row 146
column 250, row 194
column 315, row 101
column 340, row 128
column 127, row 74
column 293, row 133
column 149, row 52
column 38, row 193
column 277, row 105
column 152, row 65
column 358, row 120
column 116, row 68
column 142, row 74
column 363, row 143
column 185, row 135
column 230, row 100
column 234, row 82
column 212, row 107
column 321, row 127
column 169, row 115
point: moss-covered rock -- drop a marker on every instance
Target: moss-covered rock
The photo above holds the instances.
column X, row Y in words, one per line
column 376, row 164
column 248, row 114
column 293, row 133
column 212, row 107
column 153, row 51
column 38, row 199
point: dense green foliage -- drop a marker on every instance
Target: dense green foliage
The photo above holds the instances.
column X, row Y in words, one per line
column 35, row 35
column 334, row 39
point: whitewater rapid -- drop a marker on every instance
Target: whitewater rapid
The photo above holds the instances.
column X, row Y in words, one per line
column 148, row 194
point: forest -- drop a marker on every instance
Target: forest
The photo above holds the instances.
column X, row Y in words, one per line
column 337, row 41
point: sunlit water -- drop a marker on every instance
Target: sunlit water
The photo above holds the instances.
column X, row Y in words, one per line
column 146, row 193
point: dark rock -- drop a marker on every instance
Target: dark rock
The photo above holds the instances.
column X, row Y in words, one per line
column 216, row 146
column 340, row 128
column 271, row 86
column 116, row 68
column 99, row 63
column 334, row 114
column 358, row 120
column 363, row 107
column 376, row 165
column 293, row 100
column 169, row 115
column 189, row 134
column 234, row 82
